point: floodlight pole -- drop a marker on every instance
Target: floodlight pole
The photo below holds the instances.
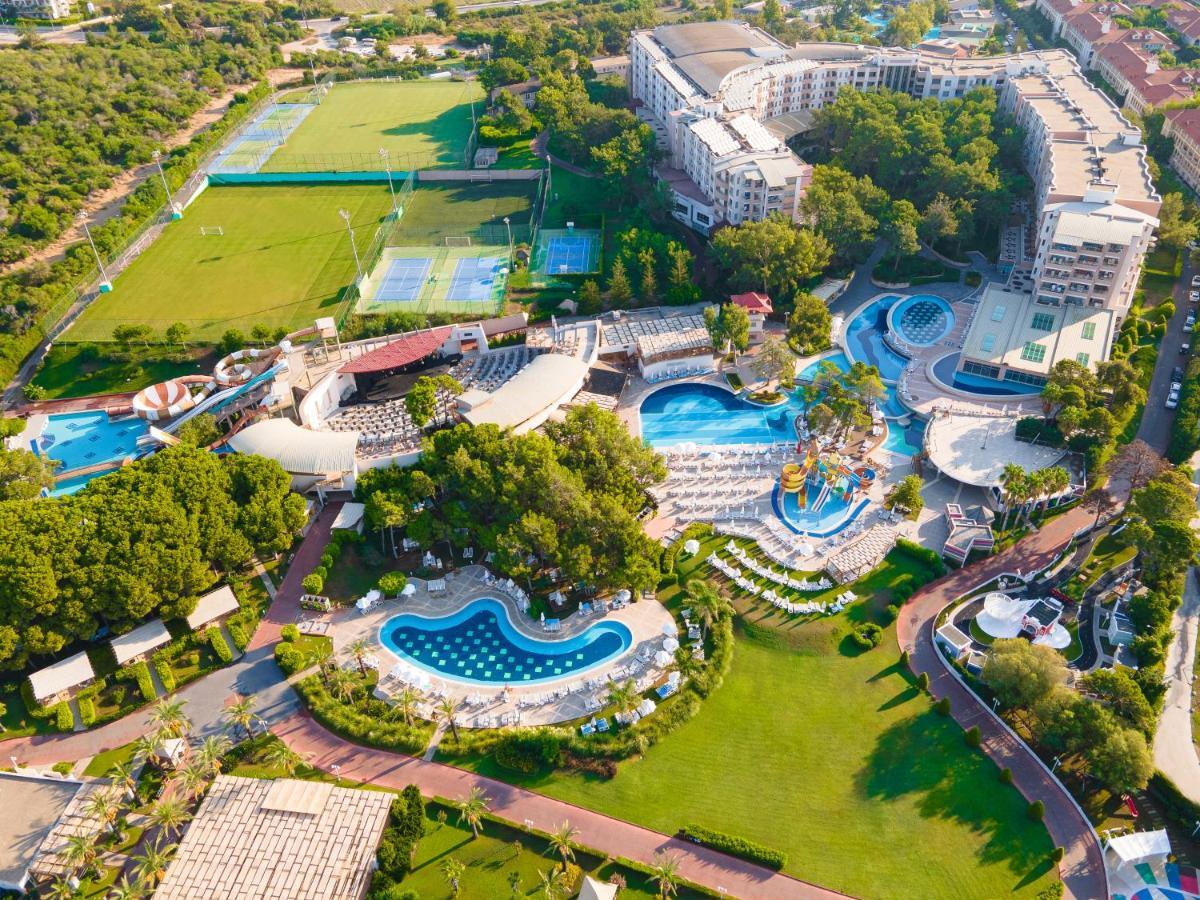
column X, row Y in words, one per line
column 312, row 66
column 387, row 167
column 96, row 253
column 163, row 175
column 510, row 243
column 345, row 214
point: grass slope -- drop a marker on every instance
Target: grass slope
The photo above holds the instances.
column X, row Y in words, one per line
column 834, row 757
column 282, row 260
column 81, row 370
column 420, row 123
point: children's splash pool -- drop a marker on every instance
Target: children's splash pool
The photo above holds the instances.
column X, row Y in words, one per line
column 829, row 497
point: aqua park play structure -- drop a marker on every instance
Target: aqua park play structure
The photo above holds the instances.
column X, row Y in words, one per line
column 823, row 477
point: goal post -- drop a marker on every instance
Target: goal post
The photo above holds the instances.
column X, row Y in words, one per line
column 207, row 230
column 458, row 240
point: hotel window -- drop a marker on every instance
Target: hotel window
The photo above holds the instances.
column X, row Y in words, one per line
column 1089, row 331
column 988, row 343
column 1042, row 322
column 1082, row 358
column 1033, row 352
column 998, row 313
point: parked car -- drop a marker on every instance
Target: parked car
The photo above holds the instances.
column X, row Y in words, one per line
column 1177, row 374
column 1176, row 387
column 1191, row 320
column 1185, row 347
column 1196, row 281
column 1172, row 399
column 1194, row 296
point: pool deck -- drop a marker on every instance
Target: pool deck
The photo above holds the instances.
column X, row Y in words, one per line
column 569, row 695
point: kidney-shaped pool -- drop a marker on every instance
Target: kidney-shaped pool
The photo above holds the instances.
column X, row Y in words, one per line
column 479, row 644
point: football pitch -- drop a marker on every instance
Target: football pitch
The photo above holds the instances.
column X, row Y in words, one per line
column 281, row 260
column 422, row 124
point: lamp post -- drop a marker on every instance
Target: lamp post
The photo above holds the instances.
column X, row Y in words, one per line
column 163, row 175
column 387, row 167
column 508, row 228
column 345, row 214
column 105, row 284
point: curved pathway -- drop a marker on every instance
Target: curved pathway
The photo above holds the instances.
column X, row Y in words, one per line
column 1082, row 868
column 1174, row 751
column 612, row 836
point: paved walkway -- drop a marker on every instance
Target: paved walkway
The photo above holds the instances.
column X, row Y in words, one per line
column 1082, row 868
column 1174, row 752
column 612, row 836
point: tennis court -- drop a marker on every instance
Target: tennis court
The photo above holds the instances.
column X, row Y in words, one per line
column 567, row 251
column 404, row 279
column 474, row 279
column 262, row 137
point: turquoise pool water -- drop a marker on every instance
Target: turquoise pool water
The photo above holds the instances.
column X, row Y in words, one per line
column 922, row 319
column 82, row 439
column 864, row 340
column 479, row 644
column 905, row 439
column 830, row 504
column 946, row 370
column 707, row 414
column 839, row 359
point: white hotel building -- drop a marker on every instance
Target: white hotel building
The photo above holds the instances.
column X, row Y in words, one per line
column 726, row 95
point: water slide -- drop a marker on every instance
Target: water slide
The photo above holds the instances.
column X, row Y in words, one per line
column 219, row 399
column 821, row 497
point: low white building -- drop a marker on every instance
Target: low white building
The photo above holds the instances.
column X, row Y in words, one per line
column 213, row 607
column 141, row 642
column 59, row 681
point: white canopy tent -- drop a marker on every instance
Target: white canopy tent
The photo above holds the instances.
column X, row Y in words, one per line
column 1140, row 845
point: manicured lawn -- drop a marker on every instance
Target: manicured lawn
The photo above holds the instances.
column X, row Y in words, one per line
column 283, row 259
column 519, row 155
column 420, row 123
column 81, row 370
column 1160, row 275
column 1106, row 554
column 438, row 210
column 358, row 570
column 103, row 762
column 833, row 756
column 16, row 720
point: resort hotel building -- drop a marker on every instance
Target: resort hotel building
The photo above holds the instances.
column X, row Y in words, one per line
column 726, row 96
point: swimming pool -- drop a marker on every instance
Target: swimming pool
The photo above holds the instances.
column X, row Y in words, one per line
column 921, row 320
column 827, row 502
column 946, row 371
column 81, row 439
column 838, row 358
column 864, row 340
column 707, row 414
column 479, row 644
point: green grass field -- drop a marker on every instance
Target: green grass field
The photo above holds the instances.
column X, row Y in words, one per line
column 422, row 124
column 836, row 758
column 83, row 370
column 282, row 261
column 436, row 211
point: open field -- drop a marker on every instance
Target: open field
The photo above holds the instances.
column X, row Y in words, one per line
column 835, row 757
column 282, row 261
column 82, row 370
column 436, row 211
column 422, row 124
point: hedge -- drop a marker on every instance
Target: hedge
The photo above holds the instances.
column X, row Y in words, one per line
column 737, row 846
column 928, row 558
column 358, row 725
column 87, row 711
column 163, row 667
column 289, row 659
column 1176, row 805
column 63, row 720
column 140, row 673
column 239, row 636
column 220, row 646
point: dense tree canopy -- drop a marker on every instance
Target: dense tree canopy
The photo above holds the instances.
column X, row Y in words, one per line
column 772, row 256
column 567, row 499
column 144, row 540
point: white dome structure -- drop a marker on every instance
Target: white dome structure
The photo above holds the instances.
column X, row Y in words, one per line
column 1003, row 616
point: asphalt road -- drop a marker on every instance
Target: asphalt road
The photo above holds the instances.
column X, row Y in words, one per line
column 1155, row 429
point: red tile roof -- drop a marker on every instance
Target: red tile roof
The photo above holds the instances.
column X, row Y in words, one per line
column 400, row 352
column 752, row 302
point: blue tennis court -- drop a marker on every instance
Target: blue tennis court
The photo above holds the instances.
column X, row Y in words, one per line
column 404, row 279
column 474, row 278
column 569, row 254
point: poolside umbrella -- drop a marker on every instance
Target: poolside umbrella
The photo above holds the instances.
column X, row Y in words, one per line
column 362, row 604
column 669, row 629
column 806, row 549
column 409, row 590
column 691, row 547
column 662, row 658
column 646, row 707
column 622, row 596
column 670, row 645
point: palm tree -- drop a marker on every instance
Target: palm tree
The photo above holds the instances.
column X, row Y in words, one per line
column 152, row 864
column 122, row 775
column 1036, row 486
column 104, row 806
column 447, row 708
column 241, row 714
column 343, row 685
column 406, row 702
column 126, row 890
column 560, row 842
column 79, row 854
column 471, row 809
column 706, row 603
column 554, row 884
column 190, row 779
column 168, row 718
column 360, row 651
column 146, row 747
column 623, row 696
column 1013, row 479
column 169, row 814
column 1055, row 480
column 279, row 755
column 453, row 871
column 665, row 873
column 59, row 890
column 208, row 756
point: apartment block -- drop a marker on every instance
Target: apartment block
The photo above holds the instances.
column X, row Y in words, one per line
column 1184, row 126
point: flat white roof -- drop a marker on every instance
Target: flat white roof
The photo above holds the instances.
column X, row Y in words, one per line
column 541, row 384
column 300, row 451
column 1141, row 844
column 140, row 641
column 975, row 449
column 254, row 837
column 213, row 605
column 349, row 516
column 33, row 806
column 62, row 676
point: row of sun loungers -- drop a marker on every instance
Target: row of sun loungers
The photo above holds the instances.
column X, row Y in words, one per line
column 780, row 578
column 684, row 372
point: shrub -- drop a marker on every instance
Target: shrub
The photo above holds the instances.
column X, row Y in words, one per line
column 1006, row 775
column 193, row 658
column 289, row 632
column 971, row 736
column 1054, row 892
column 923, row 681
column 238, row 634
column 322, row 572
column 163, row 668
column 928, row 558
column 327, row 560
column 392, row 583
column 364, row 726
column 141, row 674
column 1057, row 854
column 736, row 846
column 289, row 659
column 529, row 750
column 216, row 640
column 943, row 706
column 87, row 711
column 119, row 692
column 63, row 720
column 867, row 636
column 904, row 658
column 1036, row 811
column 313, row 583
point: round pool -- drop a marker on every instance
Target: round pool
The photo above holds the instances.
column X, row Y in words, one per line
column 921, row 320
column 480, row 645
